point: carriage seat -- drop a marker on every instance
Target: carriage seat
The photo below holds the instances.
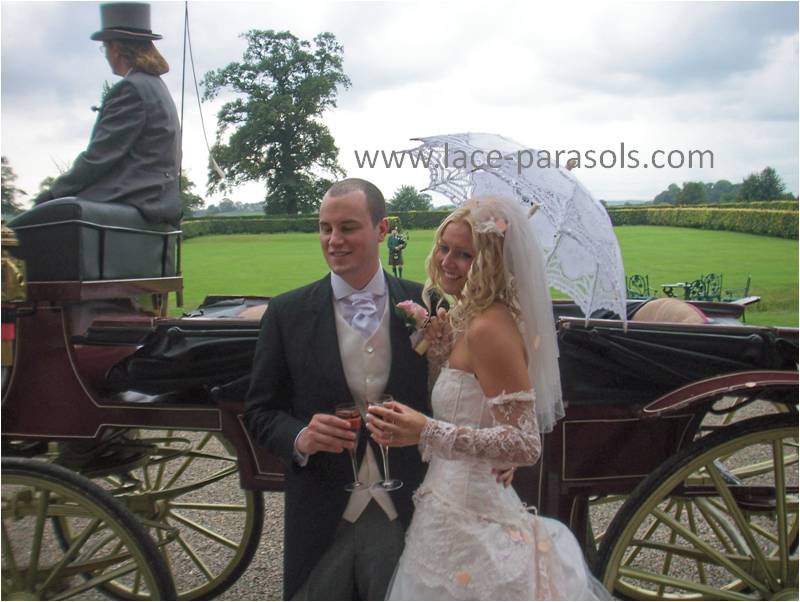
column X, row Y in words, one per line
column 72, row 239
column 670, row 310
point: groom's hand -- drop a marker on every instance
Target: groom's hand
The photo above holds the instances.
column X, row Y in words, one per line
column 326, row 433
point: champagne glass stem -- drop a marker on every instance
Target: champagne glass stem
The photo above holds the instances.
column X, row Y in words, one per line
column 385, row 457
column 353, row 463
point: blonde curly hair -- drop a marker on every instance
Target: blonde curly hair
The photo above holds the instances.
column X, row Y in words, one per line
column 488, row 280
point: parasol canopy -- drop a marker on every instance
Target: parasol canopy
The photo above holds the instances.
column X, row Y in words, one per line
column 582, row 255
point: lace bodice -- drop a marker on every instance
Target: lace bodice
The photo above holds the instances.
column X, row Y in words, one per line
column 468, row 436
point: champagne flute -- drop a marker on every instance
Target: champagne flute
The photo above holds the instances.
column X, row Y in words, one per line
column 350, row 413
column 388, row 483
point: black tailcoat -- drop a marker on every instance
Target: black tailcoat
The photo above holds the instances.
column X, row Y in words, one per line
column 297, row 372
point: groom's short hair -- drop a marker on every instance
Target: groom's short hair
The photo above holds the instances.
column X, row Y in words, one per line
column 376, row 204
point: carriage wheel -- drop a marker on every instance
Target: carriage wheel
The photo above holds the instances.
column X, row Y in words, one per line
column 187, row 492
column 721, row 414
column 109, row 544
column 727, row 410
column 707, row 525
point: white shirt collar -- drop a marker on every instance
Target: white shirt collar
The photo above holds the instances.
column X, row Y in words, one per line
column 376, row 285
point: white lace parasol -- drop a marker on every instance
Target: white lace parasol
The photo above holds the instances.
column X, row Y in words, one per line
column 582, row 254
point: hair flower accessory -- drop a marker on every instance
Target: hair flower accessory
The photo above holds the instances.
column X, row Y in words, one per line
column 415, row 317
column 492, row 226
column 488, row 217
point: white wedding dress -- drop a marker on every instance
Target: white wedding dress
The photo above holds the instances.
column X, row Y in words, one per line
column 470, row 537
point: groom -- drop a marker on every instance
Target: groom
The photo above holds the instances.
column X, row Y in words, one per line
column 338, row 340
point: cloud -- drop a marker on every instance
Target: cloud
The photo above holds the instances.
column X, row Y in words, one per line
column 30, row 43
column 721, row 75
column 682, row 45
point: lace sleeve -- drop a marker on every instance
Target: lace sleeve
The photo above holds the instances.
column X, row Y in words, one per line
column 512, row 441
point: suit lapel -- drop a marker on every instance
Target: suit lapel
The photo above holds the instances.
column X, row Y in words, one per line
column 401, row 346
column 326, row 342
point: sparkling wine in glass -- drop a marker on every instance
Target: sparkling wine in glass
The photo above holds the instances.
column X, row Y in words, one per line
column 350, row 413
column 388, row 483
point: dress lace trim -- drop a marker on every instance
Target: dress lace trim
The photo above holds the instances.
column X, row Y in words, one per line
column 437, row 355
column 513, row 440
column 518, row 550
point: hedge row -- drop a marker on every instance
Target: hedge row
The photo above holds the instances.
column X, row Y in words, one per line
column 415, row 220
column 774, row 205
column 246, row 225
column 234, row 216
column 420, row 220
column 777, row 205
column 768, row 222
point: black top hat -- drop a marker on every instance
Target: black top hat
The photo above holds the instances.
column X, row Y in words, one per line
column 125, row 21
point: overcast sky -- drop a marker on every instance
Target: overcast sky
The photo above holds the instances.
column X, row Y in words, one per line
column 718, row 76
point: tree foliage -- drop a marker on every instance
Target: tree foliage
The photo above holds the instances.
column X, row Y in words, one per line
column 772, row 186
column 10, row 192
column 670, row 195
column 764, row 186
column 407, row 198
column 692, row 193
column 283, row 86
column 750, row 188
column 227, row 206
column 47, row 183
column 721, row 191
column 190, row 202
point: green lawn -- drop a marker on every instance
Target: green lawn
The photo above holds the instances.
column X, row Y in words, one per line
column 244, row 264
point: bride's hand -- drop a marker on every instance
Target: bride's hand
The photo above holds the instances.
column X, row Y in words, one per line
column 438, row 327
column 504, row 475
column 395, row 424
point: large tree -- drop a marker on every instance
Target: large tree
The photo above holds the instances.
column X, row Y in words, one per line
column 764, row 186
column 283, row 86
column 772, row 186
column 407, row 198
column 10, row 193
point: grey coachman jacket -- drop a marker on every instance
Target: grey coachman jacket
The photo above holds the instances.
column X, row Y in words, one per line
column 134, row 153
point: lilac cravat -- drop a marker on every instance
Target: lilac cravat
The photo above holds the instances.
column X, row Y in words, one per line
column 365, row 310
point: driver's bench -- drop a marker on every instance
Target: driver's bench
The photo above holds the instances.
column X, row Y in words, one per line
column 77, row 250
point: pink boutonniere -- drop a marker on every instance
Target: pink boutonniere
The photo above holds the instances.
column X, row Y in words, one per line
column 415, row 317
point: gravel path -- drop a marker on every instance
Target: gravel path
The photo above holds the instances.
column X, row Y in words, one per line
column 263, row 578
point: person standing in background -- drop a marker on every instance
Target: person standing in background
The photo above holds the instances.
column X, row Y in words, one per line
column 396, row 243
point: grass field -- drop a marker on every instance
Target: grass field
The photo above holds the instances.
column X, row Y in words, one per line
column 244, row 264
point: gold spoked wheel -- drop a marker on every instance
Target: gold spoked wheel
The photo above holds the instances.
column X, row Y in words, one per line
column 721, row 414
column 187, row 493
column 718, row 521
column 109, row 544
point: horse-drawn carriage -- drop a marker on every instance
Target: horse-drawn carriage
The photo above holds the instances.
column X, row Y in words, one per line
column 127, row 468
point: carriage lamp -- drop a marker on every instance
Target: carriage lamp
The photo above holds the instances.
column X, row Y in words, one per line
column 14, row 291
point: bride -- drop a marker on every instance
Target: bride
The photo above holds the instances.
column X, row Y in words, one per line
column 498, row 388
